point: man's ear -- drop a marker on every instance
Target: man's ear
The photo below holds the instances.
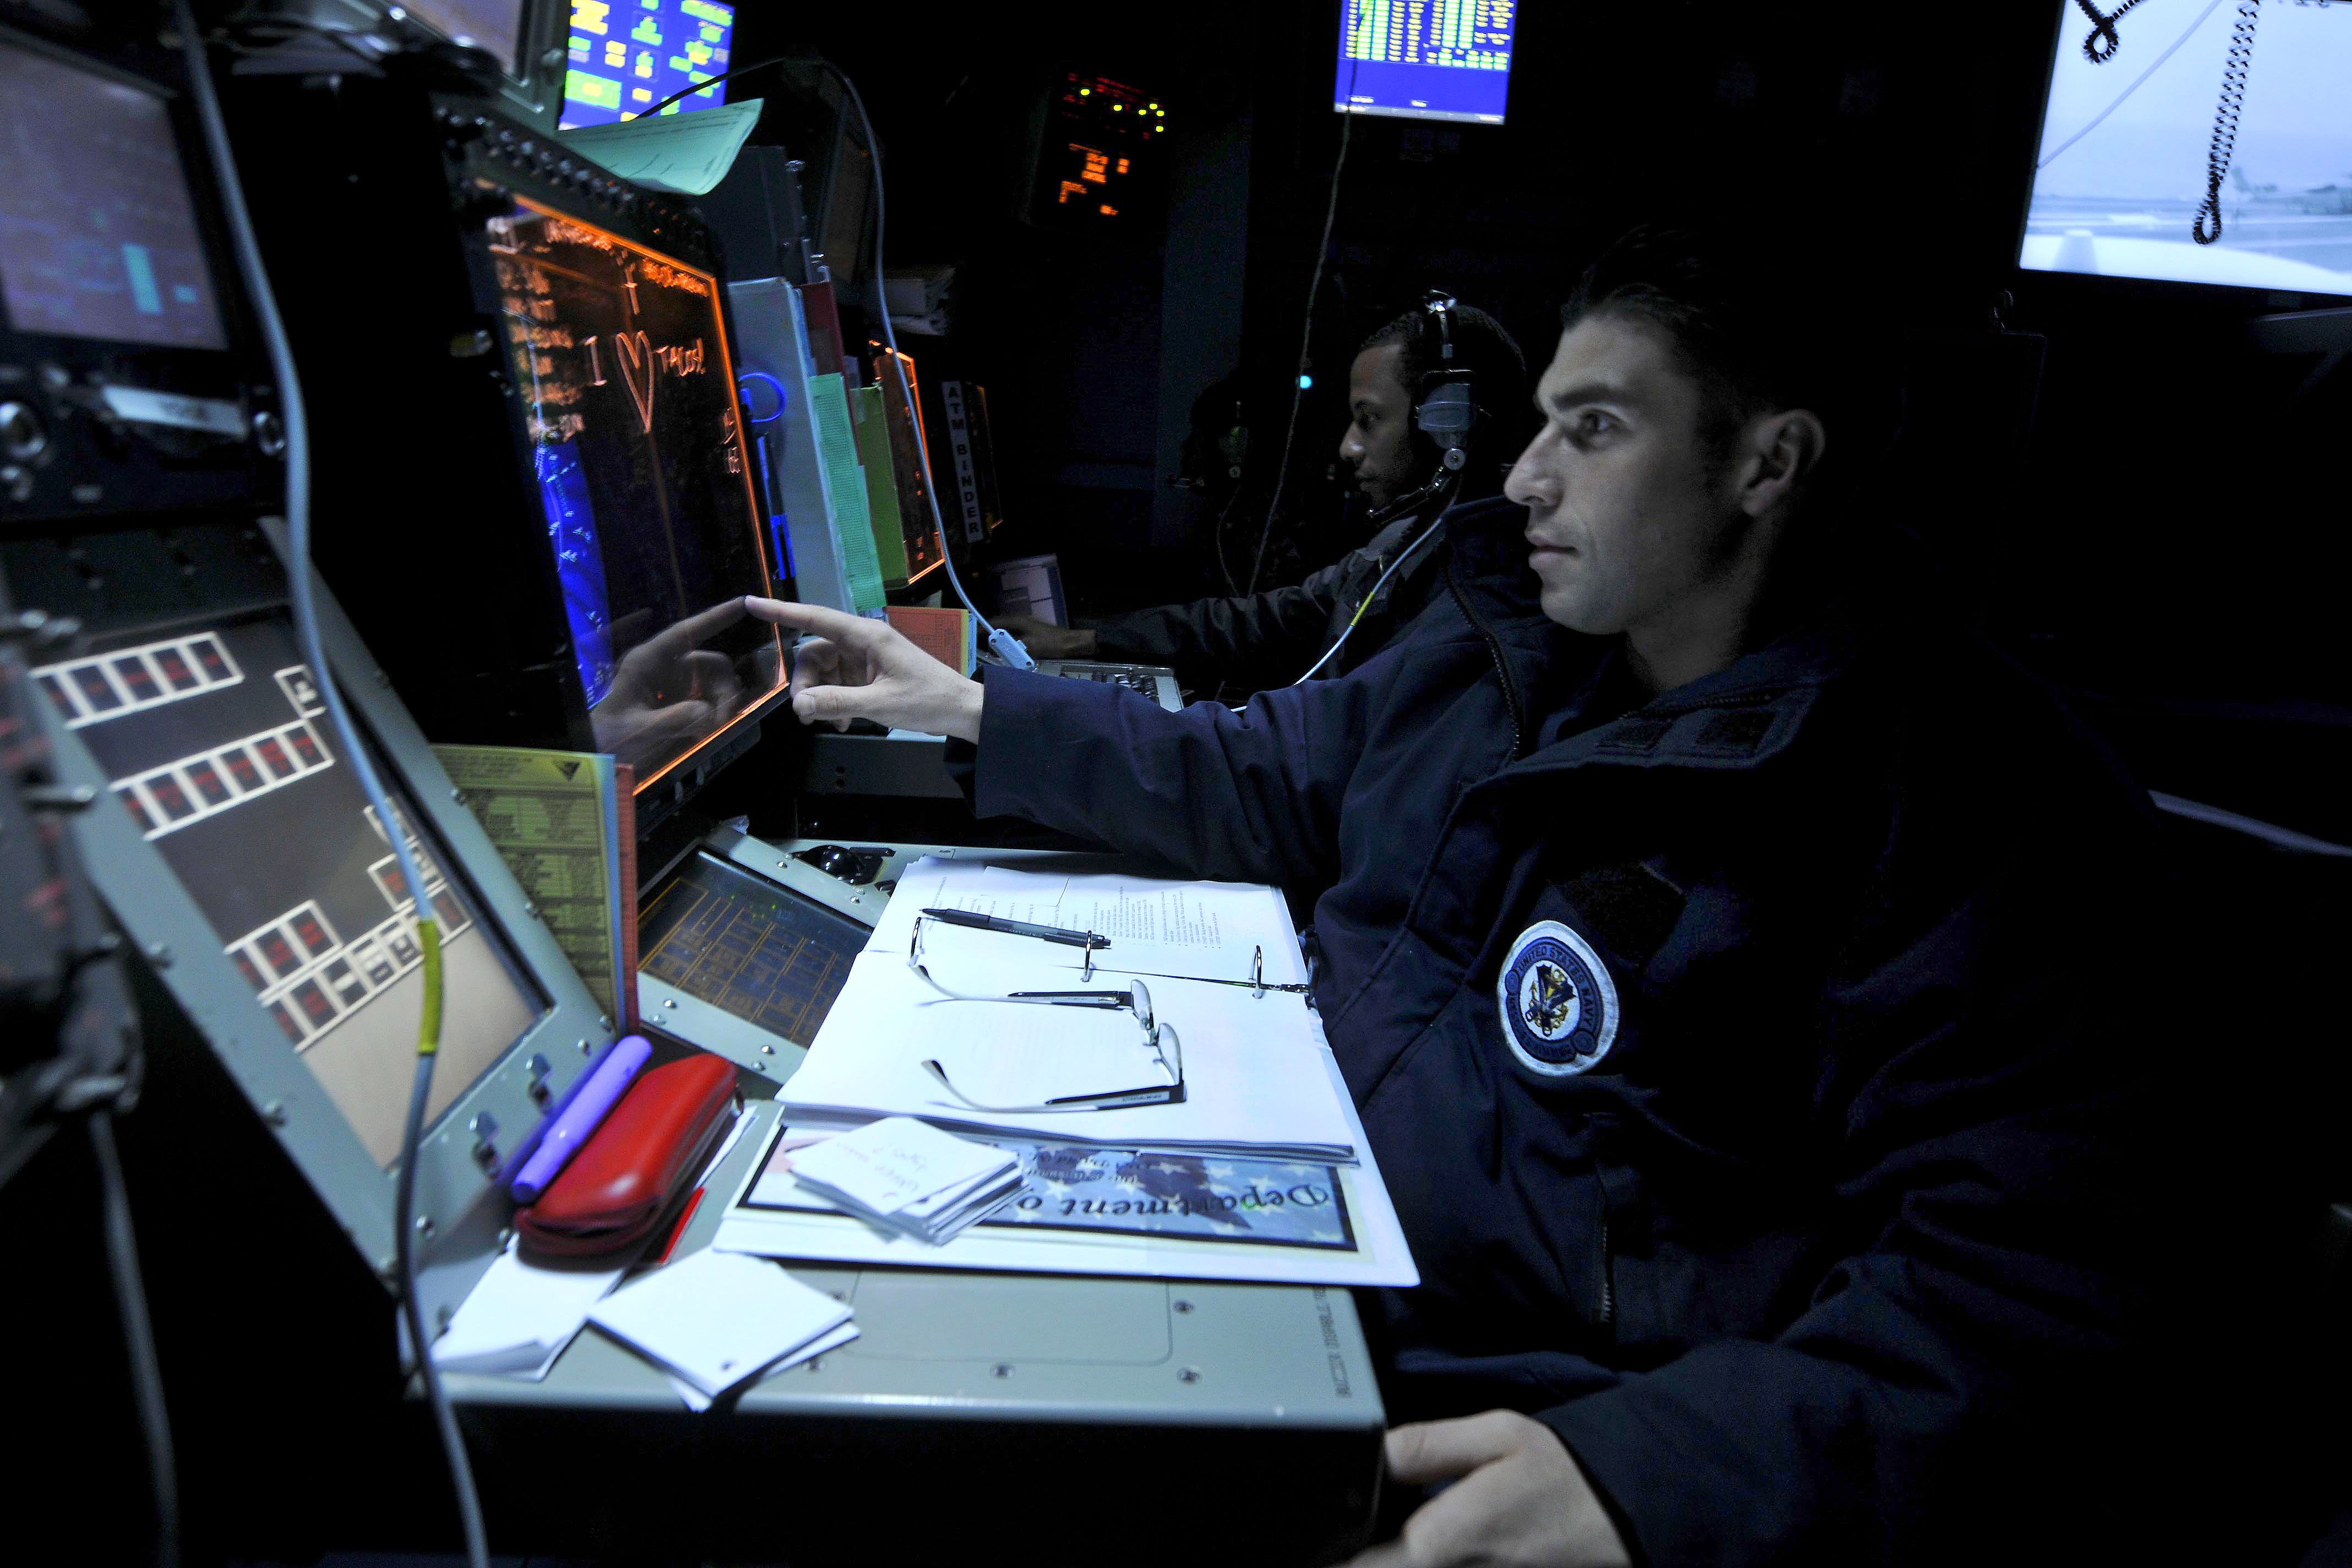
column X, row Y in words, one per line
column 1780, row 452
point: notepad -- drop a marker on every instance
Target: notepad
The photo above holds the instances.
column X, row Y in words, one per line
column 907, row 1175
column 718, row 1319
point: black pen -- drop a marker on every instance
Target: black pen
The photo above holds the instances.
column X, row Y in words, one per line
column 1019, row 928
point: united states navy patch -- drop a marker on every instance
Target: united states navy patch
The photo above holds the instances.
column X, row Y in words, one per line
column 1559, row 1006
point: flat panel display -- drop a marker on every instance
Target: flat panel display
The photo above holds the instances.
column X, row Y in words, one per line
column 629, row 55
column 215, row 741
column 2122, row 168
column 1426, row 60
column 748, row 947
column 620, row 355
column 495, row 25
column 98, row 230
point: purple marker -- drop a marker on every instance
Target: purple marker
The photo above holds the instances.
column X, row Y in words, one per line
column 581, row 1117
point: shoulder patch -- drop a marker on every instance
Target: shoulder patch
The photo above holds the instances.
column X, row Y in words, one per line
column 1559, row 1004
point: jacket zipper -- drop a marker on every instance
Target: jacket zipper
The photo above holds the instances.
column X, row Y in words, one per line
column 1607, row 1294
column 1494, row 651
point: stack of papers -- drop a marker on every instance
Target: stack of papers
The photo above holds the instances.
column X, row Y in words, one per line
column 903, row 1176
column 717, row 1320
column 1255, row 1084
column 520, row 1316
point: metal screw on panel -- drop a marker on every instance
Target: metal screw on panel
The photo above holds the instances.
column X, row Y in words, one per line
column 530, row 909
column 1188, row 1375
column 423, row 1225
column 767, row 1050
column 670, row 1001
column 1003, row 1369
column 1182, row 1306
column 270, row 434
column 584, row 1046
column 456, row 793
column 159, row 955
column 274, row 1114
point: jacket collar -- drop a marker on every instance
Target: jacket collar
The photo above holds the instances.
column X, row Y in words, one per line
column 1737, row 718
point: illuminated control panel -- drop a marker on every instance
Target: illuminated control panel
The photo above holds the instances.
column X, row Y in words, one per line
column 1097, row 163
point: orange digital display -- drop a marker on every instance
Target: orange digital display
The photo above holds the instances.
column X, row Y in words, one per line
column 618, row 354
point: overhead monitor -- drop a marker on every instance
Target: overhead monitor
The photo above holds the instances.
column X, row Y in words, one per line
column 98, row 236
column 2135, row 108
column 215, row 741
column 629, row 55
column 620, row 355
column 1425, row 60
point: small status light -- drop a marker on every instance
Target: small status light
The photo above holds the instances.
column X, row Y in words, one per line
column 1116, row 107
column 1305, row 381
column 1162, row 112
column 1086, row 92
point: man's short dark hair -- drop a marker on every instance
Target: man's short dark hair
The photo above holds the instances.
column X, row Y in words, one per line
column 1489, row 351
column 1764, row 322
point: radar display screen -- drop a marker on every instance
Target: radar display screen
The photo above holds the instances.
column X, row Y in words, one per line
column 748, row 947
column 627, row 55
column 1426, row 60
column 98, row 230
column 216, row 743
column 620, row 356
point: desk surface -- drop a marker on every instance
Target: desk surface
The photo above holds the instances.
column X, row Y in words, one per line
column 1008, row 1347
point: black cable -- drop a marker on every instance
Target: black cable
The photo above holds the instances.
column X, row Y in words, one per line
column 2103, row 30
column 1306, row 341
column 710, row 80
column 138, row 1335
column 255, row 275
column 2224, row 144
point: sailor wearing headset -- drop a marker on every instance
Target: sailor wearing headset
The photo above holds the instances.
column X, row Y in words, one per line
column 1435, row 399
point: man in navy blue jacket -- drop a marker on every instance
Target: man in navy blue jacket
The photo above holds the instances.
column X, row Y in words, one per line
column 1735, row 973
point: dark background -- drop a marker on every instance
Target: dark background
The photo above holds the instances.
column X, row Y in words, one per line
column 2170, row 533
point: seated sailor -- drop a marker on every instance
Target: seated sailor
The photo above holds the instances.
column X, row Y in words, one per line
column 1737, row 967
column 1434, row 405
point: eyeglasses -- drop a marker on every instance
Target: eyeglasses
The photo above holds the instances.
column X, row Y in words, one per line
column 1166, row 1048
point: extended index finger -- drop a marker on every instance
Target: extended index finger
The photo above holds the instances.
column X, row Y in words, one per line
column 849, row 631
column 696, row 629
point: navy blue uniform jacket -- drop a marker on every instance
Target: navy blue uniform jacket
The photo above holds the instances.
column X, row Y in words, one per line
column 1831, row 1234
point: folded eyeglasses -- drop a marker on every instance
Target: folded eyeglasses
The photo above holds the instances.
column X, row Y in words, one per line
column 1167, row 1049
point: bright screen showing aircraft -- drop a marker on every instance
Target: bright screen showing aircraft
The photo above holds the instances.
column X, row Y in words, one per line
column 2126, row 183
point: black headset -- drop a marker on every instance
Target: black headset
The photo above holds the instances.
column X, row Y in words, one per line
column 1446, row 411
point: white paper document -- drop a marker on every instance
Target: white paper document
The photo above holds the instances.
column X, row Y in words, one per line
column 696, row 1400
column 962, row 1050
column 521, row 1315
column 1211, row 930
column 719, row 1318
column 688, row 152
column 1252, row 1076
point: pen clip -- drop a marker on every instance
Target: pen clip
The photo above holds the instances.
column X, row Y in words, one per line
column 1257, row 975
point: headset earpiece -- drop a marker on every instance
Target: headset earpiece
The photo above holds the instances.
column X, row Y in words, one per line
column 1447, row 408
